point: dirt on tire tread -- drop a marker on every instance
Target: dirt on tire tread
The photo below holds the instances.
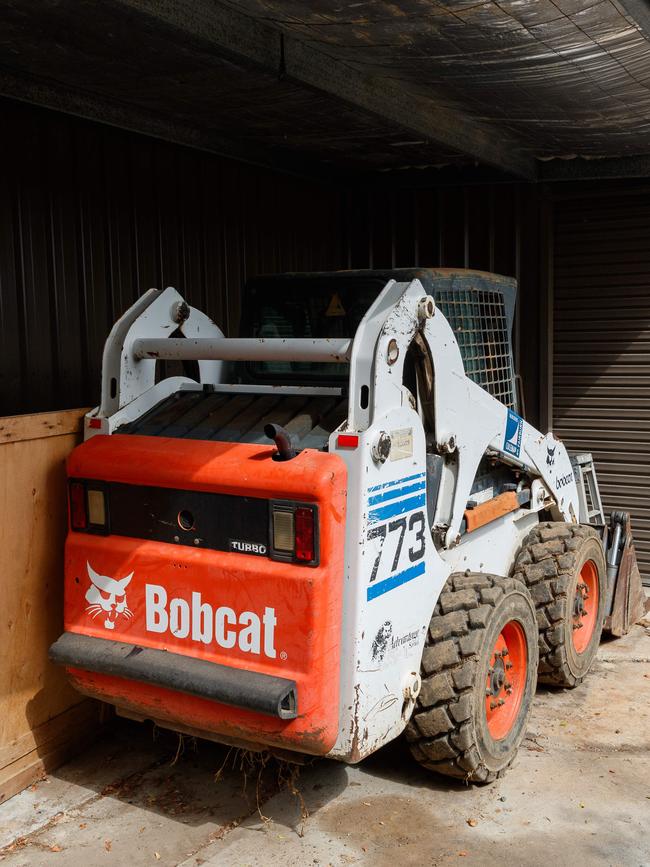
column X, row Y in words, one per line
column 545, row 565
column 438, row 734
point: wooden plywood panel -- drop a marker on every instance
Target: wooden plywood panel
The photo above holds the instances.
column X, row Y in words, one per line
column 41, row 716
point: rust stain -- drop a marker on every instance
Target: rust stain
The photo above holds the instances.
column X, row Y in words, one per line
column 355, row 752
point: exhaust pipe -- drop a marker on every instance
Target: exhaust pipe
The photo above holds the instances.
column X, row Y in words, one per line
column 282, row 440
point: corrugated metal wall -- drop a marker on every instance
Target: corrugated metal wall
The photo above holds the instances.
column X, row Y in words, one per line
column 91, row 216
column 470, row 227
column 601, row 374
column 490, row 227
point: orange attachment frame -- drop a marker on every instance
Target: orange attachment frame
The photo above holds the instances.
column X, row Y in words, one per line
column 304, row 601
column 484, row 513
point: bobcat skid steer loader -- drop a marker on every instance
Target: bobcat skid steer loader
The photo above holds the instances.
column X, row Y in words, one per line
column 333, row 528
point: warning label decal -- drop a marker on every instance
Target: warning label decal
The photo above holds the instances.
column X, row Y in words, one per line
column 335, row 307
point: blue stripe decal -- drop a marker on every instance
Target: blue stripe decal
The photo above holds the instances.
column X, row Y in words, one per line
column 393, row 509
column 396, row 492
column 396, row 482
column 395, row 581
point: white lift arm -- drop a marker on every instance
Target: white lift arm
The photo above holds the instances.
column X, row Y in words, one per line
column 469, row 422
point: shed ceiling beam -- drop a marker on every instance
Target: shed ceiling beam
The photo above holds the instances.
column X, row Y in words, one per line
column 240, row 37
column 579, row 169
column 113, row 112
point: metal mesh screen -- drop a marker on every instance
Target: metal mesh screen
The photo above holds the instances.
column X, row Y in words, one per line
column 478, row 319
column 478, row 306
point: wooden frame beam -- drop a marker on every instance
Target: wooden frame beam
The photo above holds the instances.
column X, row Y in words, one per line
column 245, row 39
column 579, row 169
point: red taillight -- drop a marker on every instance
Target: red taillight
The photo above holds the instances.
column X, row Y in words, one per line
column 294, row 532
column 95, row 423
column 347, row 441
column 78, row 516
column 304, row 524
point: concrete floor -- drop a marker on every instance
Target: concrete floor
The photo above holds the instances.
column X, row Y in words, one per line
column 579, row 795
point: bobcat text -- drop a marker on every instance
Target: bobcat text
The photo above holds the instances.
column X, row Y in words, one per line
column 250, row 632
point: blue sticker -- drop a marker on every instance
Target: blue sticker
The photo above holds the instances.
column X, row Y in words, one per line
column 394, row 581
column 382, row 497
column 512, row 439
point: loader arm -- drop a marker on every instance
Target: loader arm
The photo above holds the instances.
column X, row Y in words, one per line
column 474, row 423
column 469, row 422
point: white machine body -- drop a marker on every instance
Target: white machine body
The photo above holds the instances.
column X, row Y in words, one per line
column 401, row 546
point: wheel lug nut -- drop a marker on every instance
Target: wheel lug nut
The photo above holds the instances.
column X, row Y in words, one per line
column 501, row 701
column 504, row 652
column 488, row 693
column 508, row 664
column 493, row 704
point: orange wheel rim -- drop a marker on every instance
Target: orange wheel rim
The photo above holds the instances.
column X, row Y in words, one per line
column 506, row 679
column 585, row 606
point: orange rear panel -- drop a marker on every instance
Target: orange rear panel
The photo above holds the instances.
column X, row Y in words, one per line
column 287, row 617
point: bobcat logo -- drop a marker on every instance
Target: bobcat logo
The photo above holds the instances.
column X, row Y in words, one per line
column 107, row 596
column 550, row 456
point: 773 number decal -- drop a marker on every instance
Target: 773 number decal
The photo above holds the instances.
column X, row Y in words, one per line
column 410, row 529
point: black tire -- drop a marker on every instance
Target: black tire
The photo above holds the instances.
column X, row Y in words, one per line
column 550, row 563
column 449, row 731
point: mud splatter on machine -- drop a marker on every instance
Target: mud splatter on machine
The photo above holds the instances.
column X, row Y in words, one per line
column 335, row 527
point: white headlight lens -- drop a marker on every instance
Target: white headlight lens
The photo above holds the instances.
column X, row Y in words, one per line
column 96, row 507
column 283, row 532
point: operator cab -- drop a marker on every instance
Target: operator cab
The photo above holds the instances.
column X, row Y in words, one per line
column 309, row 399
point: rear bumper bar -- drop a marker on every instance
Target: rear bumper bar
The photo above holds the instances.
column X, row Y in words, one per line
column 250, row 690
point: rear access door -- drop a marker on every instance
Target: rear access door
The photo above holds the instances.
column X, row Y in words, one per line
column 203, row 586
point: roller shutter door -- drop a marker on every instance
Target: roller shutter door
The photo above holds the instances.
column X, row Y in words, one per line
column 601, row 358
